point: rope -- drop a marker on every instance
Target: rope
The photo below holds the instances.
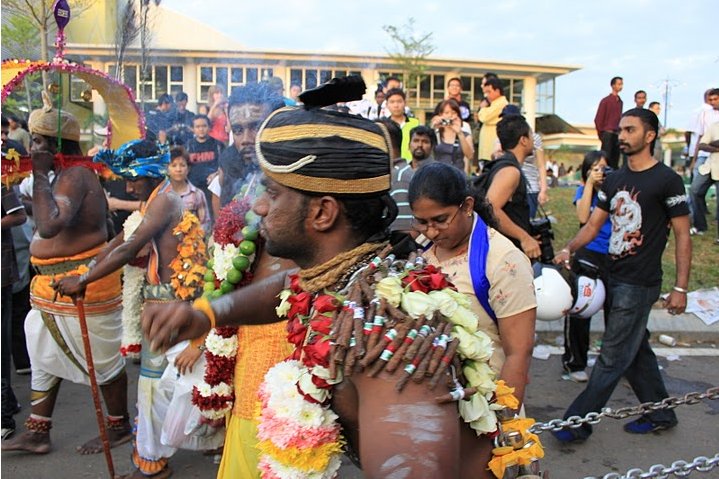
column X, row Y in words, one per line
column 326, row 274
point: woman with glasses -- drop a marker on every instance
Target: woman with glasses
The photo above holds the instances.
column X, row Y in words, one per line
column 481, row 263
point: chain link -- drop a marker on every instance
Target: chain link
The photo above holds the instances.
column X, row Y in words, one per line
column 574, row 422
column 678, row 468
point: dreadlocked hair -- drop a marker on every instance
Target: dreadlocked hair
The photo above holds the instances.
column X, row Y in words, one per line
column 370, row 217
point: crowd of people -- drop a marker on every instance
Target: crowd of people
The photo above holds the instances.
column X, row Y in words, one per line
column 343, row 184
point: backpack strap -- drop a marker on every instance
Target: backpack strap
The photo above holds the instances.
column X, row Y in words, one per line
column 478, row 252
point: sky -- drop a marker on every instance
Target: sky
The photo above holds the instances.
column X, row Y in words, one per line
column 647, row 42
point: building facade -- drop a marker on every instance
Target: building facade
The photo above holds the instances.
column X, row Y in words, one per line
column 193, row 63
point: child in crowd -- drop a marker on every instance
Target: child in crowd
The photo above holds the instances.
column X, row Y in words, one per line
column 193, row 198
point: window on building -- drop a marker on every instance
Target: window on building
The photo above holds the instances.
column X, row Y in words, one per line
column 545, row 97
column 308, row 78
column 158, row 79
column 80, row 91
column 229, row 77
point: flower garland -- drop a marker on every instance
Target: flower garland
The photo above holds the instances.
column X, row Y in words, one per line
column 188, row 266
column 117, row 92
column 299, row 434
column 133, row 282
column 229, row 268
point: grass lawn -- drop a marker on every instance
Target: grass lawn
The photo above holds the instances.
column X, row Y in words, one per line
column 705, row 254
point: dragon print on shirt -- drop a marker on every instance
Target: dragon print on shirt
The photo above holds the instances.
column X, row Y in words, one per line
column 626, row 224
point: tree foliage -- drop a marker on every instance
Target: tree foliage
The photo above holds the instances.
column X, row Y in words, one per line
column 410, row 51
column 39, row 14
column 20, row 37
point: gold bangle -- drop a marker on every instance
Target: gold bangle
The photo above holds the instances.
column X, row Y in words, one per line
column 203, row 305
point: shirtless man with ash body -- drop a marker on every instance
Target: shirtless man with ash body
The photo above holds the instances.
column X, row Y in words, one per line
column 144, row 168
column 70, row 214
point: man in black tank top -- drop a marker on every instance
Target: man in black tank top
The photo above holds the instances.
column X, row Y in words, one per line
column 507, row 192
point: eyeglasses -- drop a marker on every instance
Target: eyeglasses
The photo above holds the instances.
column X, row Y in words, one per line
column 423, row 225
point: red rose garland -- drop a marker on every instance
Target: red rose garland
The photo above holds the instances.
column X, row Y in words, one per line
column 235, row 250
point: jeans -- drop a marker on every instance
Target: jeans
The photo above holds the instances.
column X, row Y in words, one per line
column 700, row 187
column 576, row 329
column 9, row 402
column 625, row 352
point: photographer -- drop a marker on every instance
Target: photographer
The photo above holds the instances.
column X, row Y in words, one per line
column 507, row 190
column 454, row 138
column 576, row 329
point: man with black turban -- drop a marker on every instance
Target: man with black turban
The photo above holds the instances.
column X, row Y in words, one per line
column 327, row 208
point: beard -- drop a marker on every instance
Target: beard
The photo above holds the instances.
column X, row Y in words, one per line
column 628, row 149
column 289, row 241
column 419, row 154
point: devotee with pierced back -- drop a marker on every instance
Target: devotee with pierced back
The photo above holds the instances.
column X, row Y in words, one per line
column 327, row 208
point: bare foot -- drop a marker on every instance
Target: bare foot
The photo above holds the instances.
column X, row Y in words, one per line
column 115, row 436
column 30, row 441
column 137, row 474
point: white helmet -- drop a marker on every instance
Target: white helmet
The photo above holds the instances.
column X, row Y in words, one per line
column 554, row 296
column 589, row 296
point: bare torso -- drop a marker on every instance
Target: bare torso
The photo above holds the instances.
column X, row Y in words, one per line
column 407, row 435
column 167, row 208
column 80, row 189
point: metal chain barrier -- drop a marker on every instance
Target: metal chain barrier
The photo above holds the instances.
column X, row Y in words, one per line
column 574, row 422
column 678, row 468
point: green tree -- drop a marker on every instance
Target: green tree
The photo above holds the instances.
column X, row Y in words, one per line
column 39, row 14
column 410, row 51
column 20, row 39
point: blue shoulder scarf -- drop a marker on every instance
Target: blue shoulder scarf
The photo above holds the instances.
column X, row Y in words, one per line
column 478, row 251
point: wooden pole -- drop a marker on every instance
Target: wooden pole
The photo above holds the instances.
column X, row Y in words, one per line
column 94, row 387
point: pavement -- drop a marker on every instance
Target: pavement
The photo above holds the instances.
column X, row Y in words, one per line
column 609, row 449
column 685, row 328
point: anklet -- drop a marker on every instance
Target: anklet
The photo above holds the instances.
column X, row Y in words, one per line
column 41, row 426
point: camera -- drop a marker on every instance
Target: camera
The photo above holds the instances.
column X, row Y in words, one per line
column 445, row 122
column 607, row 170
column 542, row 228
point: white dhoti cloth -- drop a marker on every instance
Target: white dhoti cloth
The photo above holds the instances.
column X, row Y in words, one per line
column 57, row 352
column 166, row 419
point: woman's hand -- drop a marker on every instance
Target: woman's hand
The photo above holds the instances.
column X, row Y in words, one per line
column 456, row 125
column 187, row 359
column 596, row 177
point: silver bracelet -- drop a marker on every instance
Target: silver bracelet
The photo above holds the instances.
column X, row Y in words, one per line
column 680, row 290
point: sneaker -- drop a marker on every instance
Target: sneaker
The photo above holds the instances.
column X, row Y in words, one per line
column 695, row 232
column 645, row 425
column 567, row 436
column 23, row 371
column 576, row 376
column 7, row 432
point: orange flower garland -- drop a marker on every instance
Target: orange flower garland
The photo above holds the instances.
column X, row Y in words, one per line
column 188, row 267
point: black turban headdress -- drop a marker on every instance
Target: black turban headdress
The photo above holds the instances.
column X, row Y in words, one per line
column 322, row 151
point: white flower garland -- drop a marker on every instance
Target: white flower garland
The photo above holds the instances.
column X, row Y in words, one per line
column 133, row 282
column 219, row 346
column 223, row 256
